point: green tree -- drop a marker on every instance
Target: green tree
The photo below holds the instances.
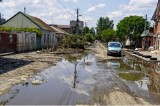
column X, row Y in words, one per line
column 104, row 24
column 108, row 35
column 86, row 30
column 92, row 31
column 89, row 37
column 131, row 27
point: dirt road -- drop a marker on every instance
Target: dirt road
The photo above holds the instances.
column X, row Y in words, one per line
column 94, row 83
column 18, row 68
column 119, row 92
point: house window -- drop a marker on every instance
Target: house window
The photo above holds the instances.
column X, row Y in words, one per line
column 10, row 38
column 44, row 38
column 48, row 38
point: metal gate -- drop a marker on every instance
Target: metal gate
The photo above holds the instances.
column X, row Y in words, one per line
column 7, row 42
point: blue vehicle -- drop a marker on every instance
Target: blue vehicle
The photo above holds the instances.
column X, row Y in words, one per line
column 114, row 48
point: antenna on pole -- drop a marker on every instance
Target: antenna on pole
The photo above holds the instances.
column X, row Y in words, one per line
column 24, row 10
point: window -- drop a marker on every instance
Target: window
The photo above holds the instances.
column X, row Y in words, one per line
column 10, row 38
column 44, row 38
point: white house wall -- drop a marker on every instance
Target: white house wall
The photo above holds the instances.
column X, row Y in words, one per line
column 47, row 39
column 20, row 21
column 26, row 41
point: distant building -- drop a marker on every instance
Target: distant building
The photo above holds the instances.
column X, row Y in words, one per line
column 2, row 20
column 80, row 23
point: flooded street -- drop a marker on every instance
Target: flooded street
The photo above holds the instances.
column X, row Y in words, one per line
column 89, row 80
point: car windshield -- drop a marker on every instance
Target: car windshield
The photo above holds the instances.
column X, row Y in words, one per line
column 114, row 45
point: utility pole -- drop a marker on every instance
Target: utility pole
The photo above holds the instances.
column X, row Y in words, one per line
column 77, row 22
column 0, row 14
column 145, row 26
column 0, row 18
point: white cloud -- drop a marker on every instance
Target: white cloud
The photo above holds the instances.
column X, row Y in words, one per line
column 9, row 4
column 86, row 19
column 94, row 8
column 71, row 1
column 115, row 14
column 47, row 10
column 136, row 5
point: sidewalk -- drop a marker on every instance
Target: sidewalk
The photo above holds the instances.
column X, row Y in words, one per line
column 154, row 54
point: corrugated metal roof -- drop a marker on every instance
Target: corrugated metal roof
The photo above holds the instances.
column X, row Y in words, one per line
column 146, row 33
column 39, row 22
column 58, row 30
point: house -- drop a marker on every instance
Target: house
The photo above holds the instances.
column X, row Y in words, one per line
column 17, row 42
column 147, row 39
column 22, row 20
column 59, row 34
column 156, row 32
column 66, row 28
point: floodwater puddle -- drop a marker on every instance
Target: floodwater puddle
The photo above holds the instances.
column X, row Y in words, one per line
column 145, row 74
column 69, row 82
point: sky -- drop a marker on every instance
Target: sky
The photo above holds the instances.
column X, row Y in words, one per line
column 62, row 11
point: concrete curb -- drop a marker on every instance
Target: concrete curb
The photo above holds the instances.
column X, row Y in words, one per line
column 146, row 59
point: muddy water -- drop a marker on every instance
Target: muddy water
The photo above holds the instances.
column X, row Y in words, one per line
column 67, row 83
column 145, row 74
column 81, row 80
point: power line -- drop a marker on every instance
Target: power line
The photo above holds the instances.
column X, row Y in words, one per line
column 65, row 8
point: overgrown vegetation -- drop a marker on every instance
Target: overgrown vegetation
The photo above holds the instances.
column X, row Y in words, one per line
column 12, row 29
column 77, row 41
column 73, row 41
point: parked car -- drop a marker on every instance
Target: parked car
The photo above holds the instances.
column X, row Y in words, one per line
column 114, row 48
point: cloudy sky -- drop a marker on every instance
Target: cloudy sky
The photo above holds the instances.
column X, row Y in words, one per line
column 62, row 11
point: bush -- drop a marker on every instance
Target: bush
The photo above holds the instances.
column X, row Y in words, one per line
column 89, row 37
column 73, row 41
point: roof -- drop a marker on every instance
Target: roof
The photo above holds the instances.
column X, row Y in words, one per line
column 58, row 30
column 146, row 33
column 156, row 12
column 64, row 26
column 41, row 24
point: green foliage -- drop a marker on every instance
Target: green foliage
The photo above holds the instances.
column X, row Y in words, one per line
column 86, row 30
column 108, row 35
column 89, row 37
column 131, row 77
column 73, row 41
column 104, row 24
column 134, row 24
column 92, row 31
column 10, row 29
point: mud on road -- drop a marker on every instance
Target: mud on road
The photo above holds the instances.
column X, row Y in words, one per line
column 119, row 91
column 17, row 68
column 94, row 83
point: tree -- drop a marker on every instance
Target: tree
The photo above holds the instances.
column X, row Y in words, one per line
column 108, row 35
column 104, row 24
column 132, row 27
column 89, row 37
column 92, row 31
column 86, row 30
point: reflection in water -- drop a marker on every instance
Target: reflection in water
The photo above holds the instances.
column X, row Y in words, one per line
column 61, row 87
column 151, row 77
column 75, row 76
column 145, row 74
